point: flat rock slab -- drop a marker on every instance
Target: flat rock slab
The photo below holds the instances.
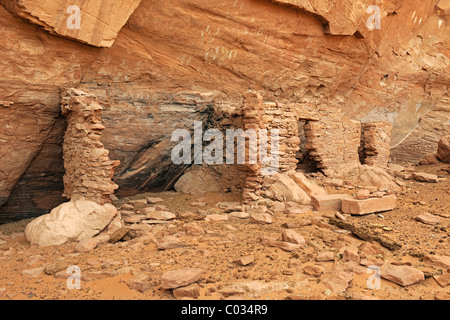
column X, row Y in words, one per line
column 245, row 260
column 240, row 214
column 291, row 236
column 190, row 292
column 283, row 245
column 261, row 218
column 441, row 261
column 325, row 256
column 428, row 218
column 368, row 206
column 402, row 275
column 216, row 218
column 443, row 280
column 338, row 281
column 180, row 278
column 140, row 202
column 425, row 177
column 118, row 235
column 155, row 200
column 329, row 202
column 161, row 215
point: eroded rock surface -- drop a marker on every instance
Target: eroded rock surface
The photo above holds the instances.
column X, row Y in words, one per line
column 92, row 22
column 159, row 76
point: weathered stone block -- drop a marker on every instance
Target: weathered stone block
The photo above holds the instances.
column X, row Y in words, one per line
column 329, row 202
column 372, row 205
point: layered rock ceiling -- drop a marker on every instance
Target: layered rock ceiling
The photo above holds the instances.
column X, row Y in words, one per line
column 158, row 66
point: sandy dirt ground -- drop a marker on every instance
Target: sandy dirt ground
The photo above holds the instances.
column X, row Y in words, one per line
column 107, row 270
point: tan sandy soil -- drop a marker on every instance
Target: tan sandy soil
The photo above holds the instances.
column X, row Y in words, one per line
column 224, row 242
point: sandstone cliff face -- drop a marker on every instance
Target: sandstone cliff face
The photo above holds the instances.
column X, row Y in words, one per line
column 94, row 22
column 179, row 61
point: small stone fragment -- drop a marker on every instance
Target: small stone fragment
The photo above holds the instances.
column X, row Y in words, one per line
column 402, row 275
column 191, row 292
column 261, row 218
column 216, row 218
column 314, row 270
column 428, row 218
column 325, row 256
column 425, row 177
column 180, row 278
column 246, row 260
column 291, row 236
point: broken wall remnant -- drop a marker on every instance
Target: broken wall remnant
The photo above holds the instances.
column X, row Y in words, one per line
column 332, row 139
column 89, row 171
column 87, row 182
column 272, row 117
column 283, row 118
column 377, row 143
column 253, row 111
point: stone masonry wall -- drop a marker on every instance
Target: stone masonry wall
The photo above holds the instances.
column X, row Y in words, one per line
column 253, row 112
column 89, row 171
column 377, row 142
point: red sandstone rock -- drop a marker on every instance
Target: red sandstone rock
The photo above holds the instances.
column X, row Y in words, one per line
column 261, row 218
column 180, row 278
column 325, row 256
column 329, row 202
column 428, row 159
column 377, row 143
column 428, row 218
column 443, row 152
column 350, row 254
column 442, row 261
column 314, row 270
column 193, row 229
column 402, row 275
column 97, row 26
column 425, row 177
column 372, row 205
column 291, row 236
column 283, row 245
column 443, row 280
column 246, row 260
column 129, row 72
column 192, row 292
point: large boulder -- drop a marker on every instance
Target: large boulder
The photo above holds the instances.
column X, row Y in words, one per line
column 72, row 221
column 443, row 152
column 286, row 189
column 368, row 176
column 198, row 180
column 309, row 186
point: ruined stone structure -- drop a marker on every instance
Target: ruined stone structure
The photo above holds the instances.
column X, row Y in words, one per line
column 332, row 139
column 89, row 171
column 253, row 112
column 377, row 143
column 282, row 117
column 159, row 76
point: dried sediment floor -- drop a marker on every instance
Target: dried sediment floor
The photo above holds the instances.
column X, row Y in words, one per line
column 274, row 274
